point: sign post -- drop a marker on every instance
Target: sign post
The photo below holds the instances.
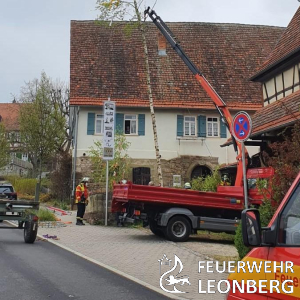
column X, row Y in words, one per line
column 108, row 141
column 241, row 129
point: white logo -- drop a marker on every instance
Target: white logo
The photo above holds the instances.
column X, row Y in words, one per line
column 171, row 279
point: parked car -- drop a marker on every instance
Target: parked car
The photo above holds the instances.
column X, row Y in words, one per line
column 7, row 191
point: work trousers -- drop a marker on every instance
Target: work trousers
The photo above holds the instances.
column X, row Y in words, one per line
column 80, row 211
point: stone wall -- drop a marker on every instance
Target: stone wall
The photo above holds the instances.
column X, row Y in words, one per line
column 83, row 166
column 183, row 166
column 95, row 211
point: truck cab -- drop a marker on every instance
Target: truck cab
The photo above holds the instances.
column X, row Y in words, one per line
column 278, row 242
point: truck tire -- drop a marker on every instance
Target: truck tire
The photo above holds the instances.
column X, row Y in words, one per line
column 178, row 229
column 30, row 231
column 155, row 229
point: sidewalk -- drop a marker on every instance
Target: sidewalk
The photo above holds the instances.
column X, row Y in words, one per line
column 135, row 253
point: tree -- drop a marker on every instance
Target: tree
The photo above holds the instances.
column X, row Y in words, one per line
column 285, row 159
column 118, row 167
column 4, row 147
column 117, row 10
column 42, row 123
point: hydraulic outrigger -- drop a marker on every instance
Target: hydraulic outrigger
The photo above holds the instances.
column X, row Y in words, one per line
column 217, row 100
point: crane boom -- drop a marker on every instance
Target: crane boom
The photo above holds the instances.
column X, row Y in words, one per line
column 217, row 100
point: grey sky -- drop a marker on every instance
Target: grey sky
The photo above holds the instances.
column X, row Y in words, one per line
column 35, row 34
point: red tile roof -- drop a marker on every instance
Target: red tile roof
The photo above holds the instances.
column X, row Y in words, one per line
column 288, row 44
column 9, row 113
column 106, row 62
column 277, row 114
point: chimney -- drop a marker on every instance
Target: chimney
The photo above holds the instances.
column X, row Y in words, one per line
column 162, row 45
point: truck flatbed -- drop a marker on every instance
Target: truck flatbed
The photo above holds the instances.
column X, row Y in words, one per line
column 230, row 197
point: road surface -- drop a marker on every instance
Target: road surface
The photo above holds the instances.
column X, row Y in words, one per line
column 45, row 271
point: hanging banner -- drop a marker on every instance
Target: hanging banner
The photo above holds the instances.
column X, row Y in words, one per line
column 109, row 130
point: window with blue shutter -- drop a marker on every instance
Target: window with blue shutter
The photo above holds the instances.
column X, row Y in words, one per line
column 141, row 124
column 201, row 126
column 91, row 124
column 223, row 129
column 179, row 125
column 119, row 123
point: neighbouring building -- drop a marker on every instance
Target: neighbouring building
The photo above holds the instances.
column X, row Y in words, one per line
column 279, row 76
column 107, row 62
column 18, row 163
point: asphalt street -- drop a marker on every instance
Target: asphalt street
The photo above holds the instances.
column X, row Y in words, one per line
column 45, row 271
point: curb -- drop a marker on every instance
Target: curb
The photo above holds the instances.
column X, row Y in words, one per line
column 144, row 284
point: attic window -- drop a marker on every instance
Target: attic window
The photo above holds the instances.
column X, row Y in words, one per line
column 162, row 45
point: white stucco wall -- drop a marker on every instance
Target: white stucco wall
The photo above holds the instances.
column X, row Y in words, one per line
column 290, row 78
column 170, row 145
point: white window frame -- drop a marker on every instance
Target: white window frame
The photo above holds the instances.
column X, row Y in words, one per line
column 99, row 117
column 190, row 122
column 128, row 118
column 215, row 124
column 25, row 156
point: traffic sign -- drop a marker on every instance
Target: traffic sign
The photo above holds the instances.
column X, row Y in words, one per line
column 109, row 130
column 241, row 126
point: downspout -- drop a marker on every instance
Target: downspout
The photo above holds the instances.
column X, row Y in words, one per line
column 75, row 154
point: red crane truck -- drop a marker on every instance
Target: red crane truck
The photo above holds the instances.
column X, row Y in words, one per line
column 176, row 213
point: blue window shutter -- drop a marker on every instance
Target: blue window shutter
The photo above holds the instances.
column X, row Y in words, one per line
column 91, row 124
column 223, row 129
column 179, row 125
column 119, row 123
column 201, row 126
column 141, row 126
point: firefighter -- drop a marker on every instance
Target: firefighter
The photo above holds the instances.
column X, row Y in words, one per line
column 81, row 200
column 225, row 181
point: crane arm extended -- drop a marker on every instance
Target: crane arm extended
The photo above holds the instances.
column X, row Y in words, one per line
column 217, row 100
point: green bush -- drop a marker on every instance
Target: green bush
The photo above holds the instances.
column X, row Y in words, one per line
column 266, row 211
column 239, row 244
column 22, row 185
column 207, row 184
column 64, row 205
column 45, row 215
column 45, row 197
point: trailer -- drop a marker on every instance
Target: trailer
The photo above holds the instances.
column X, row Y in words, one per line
column 23, row 212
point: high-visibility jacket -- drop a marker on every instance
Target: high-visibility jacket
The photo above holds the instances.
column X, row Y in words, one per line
column 82, row 194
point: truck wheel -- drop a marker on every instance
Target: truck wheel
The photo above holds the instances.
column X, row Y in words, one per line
column 30, row 231
column 178, row 229
column 155, row 229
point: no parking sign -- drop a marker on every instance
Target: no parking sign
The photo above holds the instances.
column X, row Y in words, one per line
column 241, row 130
column 241, row 126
